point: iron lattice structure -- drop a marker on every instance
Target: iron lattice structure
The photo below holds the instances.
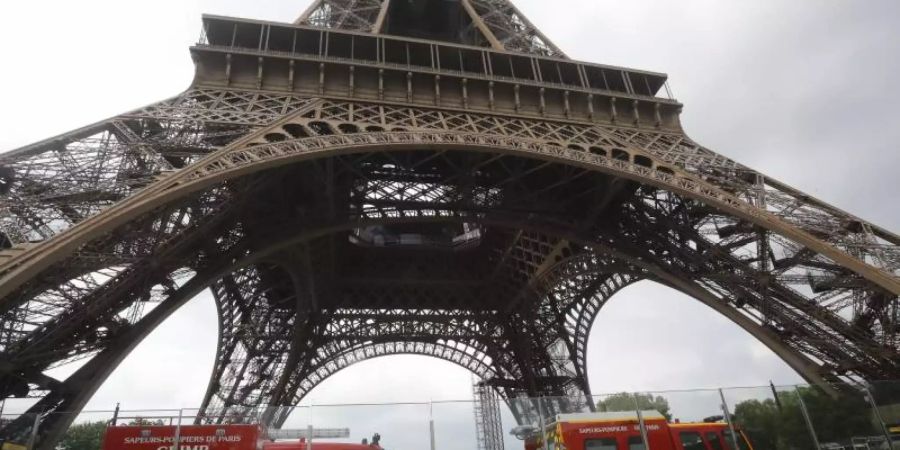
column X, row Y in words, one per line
column 393, row 177
column 488, row 421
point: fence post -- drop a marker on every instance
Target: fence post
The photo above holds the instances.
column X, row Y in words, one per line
column 884, row 429
column 542, row 424
column 809, row 424
column 640, row 416
column 34, row 431
column 115, row 417
column 176, row 444
column 725, row 410
column 431, row 425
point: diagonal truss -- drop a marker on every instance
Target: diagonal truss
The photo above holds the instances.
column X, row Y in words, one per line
column 356, row 15
column 511, row 28
column 345, row 205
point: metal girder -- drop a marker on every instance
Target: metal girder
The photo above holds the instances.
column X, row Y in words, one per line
column 335, row 230
column 505, row 24
column 59, row 182
column 500, row 24
column 356, row 15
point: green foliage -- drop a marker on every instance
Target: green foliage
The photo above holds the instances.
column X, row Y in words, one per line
column 141, row 422
column 834, row 419
column 626, row 402
column 84, row 436
column 770, row 429
column 886, row 392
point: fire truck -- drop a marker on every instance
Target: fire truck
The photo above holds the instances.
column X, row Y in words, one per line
column 623, row 431
column 220, row 437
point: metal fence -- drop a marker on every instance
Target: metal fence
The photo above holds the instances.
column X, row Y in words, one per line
column 771, row 417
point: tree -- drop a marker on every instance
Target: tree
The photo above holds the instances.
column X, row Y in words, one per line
column 835, row 419
column 141, row 422
column 626, row 402
column 84, row 436
column 766, row 426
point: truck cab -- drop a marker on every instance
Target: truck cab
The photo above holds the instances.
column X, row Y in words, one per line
column 622, row 431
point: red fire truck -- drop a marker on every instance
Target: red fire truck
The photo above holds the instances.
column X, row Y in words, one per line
column 190, row 437
column 213, row 437
column 622, row 431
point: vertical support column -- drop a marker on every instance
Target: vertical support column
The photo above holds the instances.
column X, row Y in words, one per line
column 259, row 72
column 636, row 113
column 437, row 90
column 516, row 89
column 228, row 69
column 491, row 95
column 590, row 106
column 352, row 81
column 409, row 87
column 613, row 114
column 465, row 93
column 543, row 100
column 291, row 70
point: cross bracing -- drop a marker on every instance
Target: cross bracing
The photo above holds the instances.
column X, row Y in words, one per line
column 496, row 23
column 347, row 208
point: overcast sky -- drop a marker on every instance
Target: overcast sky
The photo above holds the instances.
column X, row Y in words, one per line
column 803, row 90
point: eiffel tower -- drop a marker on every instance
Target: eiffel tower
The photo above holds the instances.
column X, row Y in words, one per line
column 430, row 177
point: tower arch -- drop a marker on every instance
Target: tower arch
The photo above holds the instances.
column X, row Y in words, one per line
column 632, row 264
column 496, row 191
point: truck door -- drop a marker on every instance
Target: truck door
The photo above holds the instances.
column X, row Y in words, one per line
column 714, row 440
